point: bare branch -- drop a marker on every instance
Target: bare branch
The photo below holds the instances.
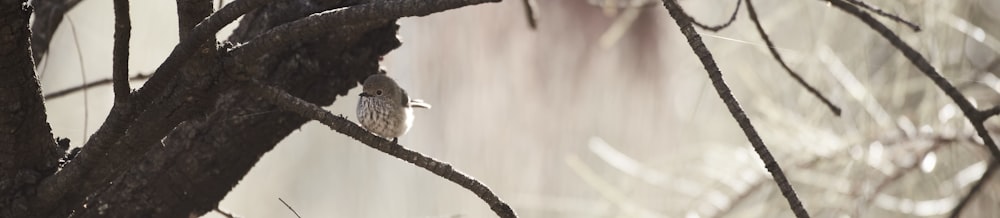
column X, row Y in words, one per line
column 290, row 208
column 777, row 56
column 529, row 13
column 362, row 16
column 123, row 31
column 186, row 48
column 970, row 111
column 880, row 12
column 48, row 15
column 732, row 18
column 705, row 56
column 992, row 168
column 291, row 103
column 93, row 84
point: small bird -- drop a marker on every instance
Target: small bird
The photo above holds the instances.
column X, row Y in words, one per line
column 385, row 109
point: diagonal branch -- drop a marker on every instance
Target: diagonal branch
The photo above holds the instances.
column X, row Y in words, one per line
column 123, row 31
column 529, row 12
column 975, row 116
column 976, row 188
column 48, row 15
column 777, row 56
column 880, row 12
column 361, row 16
column 187, row 47
column 105, row 81
column 705, row 56
column 291, row 103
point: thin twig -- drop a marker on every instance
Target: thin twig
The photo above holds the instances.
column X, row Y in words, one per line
column 777, row 56
column 880, row 12
column 995, row 110
column 976, row 117
column 340, row 124
column 83, row 75
column 705, row 56
column 957, row 211
column 105, row 81
column 123, row 29
column 224, row 213
column 529, row 12
column 721, row 26
column 290, row 208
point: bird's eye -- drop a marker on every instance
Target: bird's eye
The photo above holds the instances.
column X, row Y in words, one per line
column 379, row 92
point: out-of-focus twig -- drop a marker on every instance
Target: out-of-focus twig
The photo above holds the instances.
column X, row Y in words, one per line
column 529, row 13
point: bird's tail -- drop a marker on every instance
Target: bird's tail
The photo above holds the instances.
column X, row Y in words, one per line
column 419, row 103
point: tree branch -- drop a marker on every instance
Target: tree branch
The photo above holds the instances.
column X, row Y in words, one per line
column 976, row 188
column 367, row 15
column 529, row 13
column 105, row 81
column 732, row 18
column 705, row 56
column 123, row 29
column 28, row 152
column 975, row 116
column 880, row 12
column 186, row 48
column 48, row 15
column 777, row 56
column 340, row 124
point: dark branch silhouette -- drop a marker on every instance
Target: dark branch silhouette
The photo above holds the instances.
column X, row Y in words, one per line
column 975, row 116
column 291, row 103
column 123, row 31
column 777, row 56
column 880, row 12
column 89, row 85
column 529, row 13
column 48, row 15
column 716, row 28
column 705, row 56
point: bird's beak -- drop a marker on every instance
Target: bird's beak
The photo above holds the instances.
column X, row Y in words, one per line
column 365, row 94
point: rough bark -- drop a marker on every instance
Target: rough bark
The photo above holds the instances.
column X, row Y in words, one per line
column 27, row 151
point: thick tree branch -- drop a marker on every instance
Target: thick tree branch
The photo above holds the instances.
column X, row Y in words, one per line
column 48, row 15
column 367, row 15
column 705, row 56
column 340, row 124
column 28, row 152
column 186, row 48
column 777, row 56
column 123, row 32
column 190, row 13
column 211, row 154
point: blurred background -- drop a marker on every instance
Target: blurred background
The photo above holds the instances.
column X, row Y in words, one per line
column 604, row 111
